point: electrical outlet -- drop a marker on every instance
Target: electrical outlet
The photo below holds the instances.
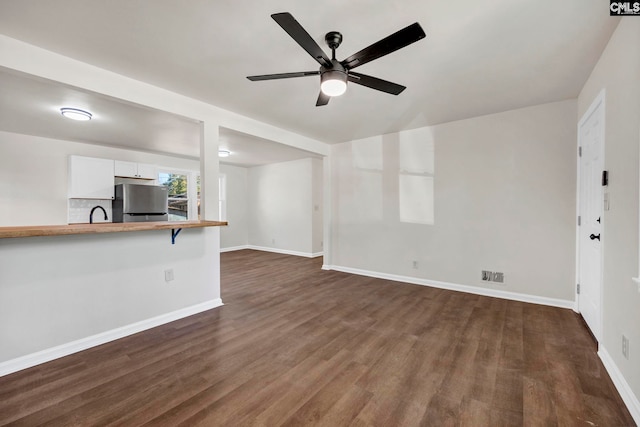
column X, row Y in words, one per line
column 415, row 264
column 273, row 241
column 625, row 347
column 492, row 276
column 168, row 275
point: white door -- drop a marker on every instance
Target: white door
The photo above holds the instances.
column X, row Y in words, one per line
column 591, row 139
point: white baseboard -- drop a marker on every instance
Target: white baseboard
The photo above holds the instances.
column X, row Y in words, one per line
column 496, row 293
column 274, row 250
column 234, row 248
column 630, row 399
column 62, row 350
column 285, row 251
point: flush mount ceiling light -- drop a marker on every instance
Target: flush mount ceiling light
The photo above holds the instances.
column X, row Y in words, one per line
column 76, row 114
column 224, row 153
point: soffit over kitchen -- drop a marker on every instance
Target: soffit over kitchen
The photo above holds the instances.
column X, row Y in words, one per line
column 31, row 105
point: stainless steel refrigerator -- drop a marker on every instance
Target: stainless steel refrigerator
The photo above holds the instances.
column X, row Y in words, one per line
column 140, row 203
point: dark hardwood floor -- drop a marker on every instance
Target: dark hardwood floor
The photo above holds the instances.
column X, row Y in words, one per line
column 296, row 346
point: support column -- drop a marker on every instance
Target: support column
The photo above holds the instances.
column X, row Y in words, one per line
column 209, row 171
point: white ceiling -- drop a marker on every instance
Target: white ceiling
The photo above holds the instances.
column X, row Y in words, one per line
column 479, row 56
column 248, row 150
column 31, row 105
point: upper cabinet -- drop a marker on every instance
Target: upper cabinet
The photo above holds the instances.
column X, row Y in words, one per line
column 135, row 170
column 90, row 178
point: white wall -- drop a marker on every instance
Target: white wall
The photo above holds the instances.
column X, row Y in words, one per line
column 197, row 265
column 55, row 290
column 503, row 200
column 317, row 206
column 618, row 72
column 33, row 175
column 280, row 202
column 276, row 207
column 236, row 234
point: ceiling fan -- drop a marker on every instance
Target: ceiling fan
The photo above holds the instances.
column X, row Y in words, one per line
column 334, row 74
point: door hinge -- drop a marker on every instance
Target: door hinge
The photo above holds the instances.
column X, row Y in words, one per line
column 579, row 219
column 578, row 288
column 579, row 151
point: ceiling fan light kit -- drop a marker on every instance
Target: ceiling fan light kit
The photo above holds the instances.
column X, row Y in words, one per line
column 334, row 74
column 333, row 82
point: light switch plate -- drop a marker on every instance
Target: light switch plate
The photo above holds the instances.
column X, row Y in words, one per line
column 606, row 202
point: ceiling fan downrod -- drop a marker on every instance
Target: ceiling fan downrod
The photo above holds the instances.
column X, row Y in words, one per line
column 333, row 39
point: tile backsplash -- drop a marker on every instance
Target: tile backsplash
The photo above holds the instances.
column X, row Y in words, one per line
column 79, row 210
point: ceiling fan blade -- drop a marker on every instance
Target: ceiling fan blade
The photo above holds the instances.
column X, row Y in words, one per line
column 283, row 75
column 395, row 41
column 322, row 99
column 300, row 35
column 375, row 83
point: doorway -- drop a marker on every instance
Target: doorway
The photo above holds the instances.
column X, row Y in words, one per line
column 590, row 211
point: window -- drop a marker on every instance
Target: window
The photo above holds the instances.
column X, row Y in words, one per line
column 184, row 193
column 198, row 194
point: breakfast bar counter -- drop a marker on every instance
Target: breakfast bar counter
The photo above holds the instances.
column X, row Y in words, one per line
column 105, row 227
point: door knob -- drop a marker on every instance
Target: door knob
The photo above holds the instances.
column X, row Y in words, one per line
column 594, row 237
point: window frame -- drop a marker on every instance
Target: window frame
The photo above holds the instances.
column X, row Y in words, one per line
column 192, row 191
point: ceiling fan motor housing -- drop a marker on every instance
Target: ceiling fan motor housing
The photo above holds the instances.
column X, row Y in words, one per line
column 336, row 66
column 333, row 39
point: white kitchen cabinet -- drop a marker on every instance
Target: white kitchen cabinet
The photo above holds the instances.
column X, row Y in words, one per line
column 135, row 170
column 146, row 171
column 90, row 178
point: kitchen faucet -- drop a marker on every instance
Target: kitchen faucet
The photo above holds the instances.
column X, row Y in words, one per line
column 91, row 214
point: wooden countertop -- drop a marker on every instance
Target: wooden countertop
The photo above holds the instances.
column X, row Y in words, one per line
column 105, row 227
